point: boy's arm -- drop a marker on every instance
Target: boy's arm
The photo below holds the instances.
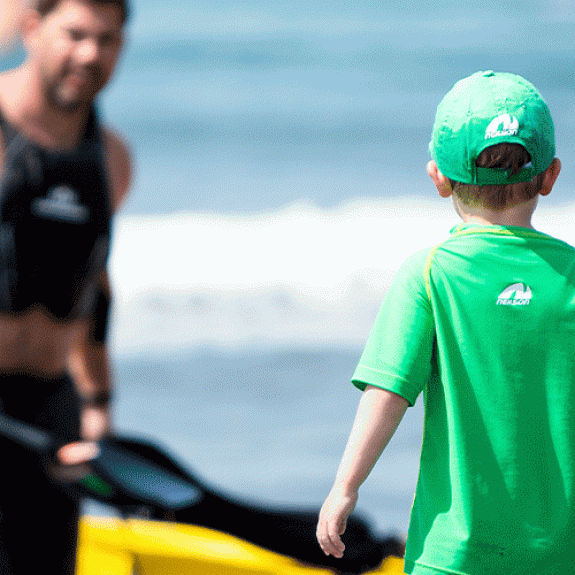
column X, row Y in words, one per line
column 377, row 418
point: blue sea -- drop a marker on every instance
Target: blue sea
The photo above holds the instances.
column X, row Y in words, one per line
column 279, row 161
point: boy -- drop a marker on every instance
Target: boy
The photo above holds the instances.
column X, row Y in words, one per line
column 484, row 325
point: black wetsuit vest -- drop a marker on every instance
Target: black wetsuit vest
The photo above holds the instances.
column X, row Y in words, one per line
column 55, row 222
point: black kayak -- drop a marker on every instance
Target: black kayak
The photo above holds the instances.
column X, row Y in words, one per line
column 139, row 478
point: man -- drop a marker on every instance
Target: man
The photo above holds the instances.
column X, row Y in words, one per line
column 62, row 177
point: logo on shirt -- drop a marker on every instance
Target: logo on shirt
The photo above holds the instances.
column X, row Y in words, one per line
column 516, row 294
column 504, row 125
column 61, row 203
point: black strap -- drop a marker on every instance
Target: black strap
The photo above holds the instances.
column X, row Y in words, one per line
column 100, row 317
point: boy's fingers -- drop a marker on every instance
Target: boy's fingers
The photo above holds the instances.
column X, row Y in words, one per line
column 328, row 536
column 333, row 521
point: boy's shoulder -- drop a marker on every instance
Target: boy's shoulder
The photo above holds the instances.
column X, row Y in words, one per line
column 413, row 274
column 494, row 235
column 417, row 261
column 472, row 249
column 484, row 235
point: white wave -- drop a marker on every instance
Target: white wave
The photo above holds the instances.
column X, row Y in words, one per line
column 299, row 276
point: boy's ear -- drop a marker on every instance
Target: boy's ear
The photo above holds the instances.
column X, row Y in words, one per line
column 549, row 177
column 442, row 184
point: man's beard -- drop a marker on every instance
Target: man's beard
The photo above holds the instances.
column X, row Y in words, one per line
column 70, row 100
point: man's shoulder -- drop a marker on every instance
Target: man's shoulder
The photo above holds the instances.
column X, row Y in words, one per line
column 119, row 162
column 9, row 87
column 5, row 89
column 117, row 145
column 5, row 80
column 10, row 94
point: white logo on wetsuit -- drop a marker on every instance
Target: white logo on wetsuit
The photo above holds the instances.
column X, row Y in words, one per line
column 516, row 294
column 61, row 203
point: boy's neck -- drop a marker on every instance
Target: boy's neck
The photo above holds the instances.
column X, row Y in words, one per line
column 519, row 216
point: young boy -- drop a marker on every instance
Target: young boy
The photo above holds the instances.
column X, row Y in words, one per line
column 484, row 325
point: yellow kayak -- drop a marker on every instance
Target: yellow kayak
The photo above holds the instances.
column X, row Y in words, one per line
column 115, row 547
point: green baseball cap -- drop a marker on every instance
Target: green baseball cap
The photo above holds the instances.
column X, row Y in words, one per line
column 485, row 109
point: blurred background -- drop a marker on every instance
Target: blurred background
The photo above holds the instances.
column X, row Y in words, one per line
column 280, row 152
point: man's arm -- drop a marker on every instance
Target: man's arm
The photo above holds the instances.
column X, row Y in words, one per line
column 88, row 361
column 89, row 365
column 119, row 165
column 377, row 418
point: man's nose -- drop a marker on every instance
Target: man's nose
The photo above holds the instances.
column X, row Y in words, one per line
column 89, row 51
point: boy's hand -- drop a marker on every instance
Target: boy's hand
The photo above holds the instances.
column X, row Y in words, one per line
column 333, row 520
column 377, row 418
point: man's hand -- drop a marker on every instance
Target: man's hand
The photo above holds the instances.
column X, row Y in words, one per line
column 333, row 520
column 95, row 422
column 72, row 461
column 78, row 452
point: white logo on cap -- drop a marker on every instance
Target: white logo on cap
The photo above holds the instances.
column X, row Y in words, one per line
column 504, row 125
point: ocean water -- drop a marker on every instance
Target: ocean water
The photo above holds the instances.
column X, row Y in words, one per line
column 250, row 106
column 267, row 428
column 279, row 181
column 235, row 339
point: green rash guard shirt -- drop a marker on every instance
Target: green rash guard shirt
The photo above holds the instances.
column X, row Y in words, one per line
column 484, row 325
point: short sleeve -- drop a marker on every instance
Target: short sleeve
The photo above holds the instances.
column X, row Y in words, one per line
column 399, row 350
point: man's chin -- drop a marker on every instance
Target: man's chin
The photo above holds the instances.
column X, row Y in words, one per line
column 72, row 102
column 70, row 105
